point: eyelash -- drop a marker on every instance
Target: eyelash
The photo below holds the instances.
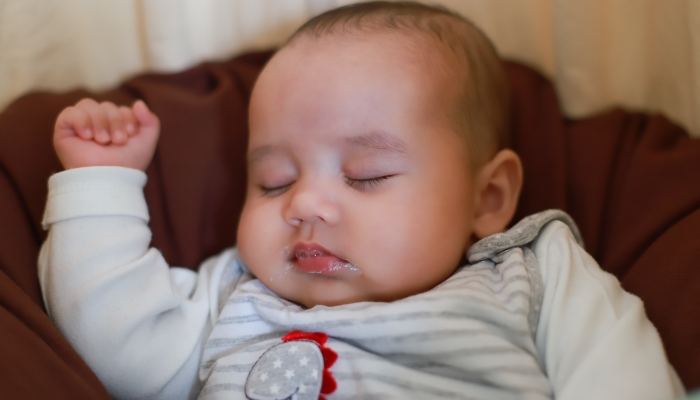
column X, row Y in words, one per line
column 275, row 191
column 359, row 184
column 364, row 184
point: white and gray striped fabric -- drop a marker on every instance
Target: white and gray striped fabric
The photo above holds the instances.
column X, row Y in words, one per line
column 471, row 337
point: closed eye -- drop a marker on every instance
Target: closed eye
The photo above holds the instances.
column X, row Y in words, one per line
column 275, row 191
column 366, row 184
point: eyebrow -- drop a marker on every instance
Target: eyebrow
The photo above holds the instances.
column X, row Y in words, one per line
column 380, row 141
column 259, row 153
column 377, row 140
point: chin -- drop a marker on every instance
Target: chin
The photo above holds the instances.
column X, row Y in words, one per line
column 311, row 302
column 328, row 297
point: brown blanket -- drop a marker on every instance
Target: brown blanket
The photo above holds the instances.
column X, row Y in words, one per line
column 630, row 180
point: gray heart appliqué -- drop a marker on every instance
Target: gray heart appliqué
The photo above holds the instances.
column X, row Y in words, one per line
column 290, row 370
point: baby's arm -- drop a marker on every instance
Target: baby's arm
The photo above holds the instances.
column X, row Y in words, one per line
column 595, row 338
column 139, row 324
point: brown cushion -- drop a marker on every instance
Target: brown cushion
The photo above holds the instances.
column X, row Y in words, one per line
column 630, row 181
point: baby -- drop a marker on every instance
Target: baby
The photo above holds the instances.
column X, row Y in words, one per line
column 376, row 162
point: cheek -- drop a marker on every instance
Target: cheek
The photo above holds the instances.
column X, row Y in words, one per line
column 259, row 237
column 418, row 237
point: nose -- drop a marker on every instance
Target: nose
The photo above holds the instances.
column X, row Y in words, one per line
column 312, row 203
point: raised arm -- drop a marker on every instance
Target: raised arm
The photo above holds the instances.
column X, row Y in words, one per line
column 595, row 339
column 139, row 324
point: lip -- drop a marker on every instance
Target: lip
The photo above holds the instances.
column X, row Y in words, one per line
column 312, row 258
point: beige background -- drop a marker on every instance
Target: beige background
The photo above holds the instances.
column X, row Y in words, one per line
column 641, row 54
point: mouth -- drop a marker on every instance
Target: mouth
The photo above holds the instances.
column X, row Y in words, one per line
column 312, row 258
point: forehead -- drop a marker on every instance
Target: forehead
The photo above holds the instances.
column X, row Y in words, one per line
column 370, row 56
column 335, row 84
column 375, row 94
column 357, row 58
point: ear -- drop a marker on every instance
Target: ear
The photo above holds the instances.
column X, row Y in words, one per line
column 498, row 185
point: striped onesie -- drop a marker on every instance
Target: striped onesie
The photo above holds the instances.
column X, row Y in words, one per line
column 531, row 316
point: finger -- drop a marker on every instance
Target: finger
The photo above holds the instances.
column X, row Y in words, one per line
column 117, row 129
column 86, row 102
column 83, row 124
column 130, row 122
column 98, row 119
column 146, row 119
column 73, row 120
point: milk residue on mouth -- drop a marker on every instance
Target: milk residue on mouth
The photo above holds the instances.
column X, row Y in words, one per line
column 282, row 272
column 335, row 266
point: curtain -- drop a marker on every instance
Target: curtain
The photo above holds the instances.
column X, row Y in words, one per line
column 638, row 54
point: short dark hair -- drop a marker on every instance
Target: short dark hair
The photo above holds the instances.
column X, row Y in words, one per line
column 481, row 114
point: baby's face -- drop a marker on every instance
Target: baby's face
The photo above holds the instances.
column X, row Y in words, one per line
column 358, row 188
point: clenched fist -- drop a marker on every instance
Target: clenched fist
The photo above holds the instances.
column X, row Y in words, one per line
column 103, row 134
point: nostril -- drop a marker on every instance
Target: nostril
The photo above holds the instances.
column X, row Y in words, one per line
column 309, row 205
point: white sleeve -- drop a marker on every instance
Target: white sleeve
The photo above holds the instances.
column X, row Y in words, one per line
column 139, row 324
column 594, row 338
